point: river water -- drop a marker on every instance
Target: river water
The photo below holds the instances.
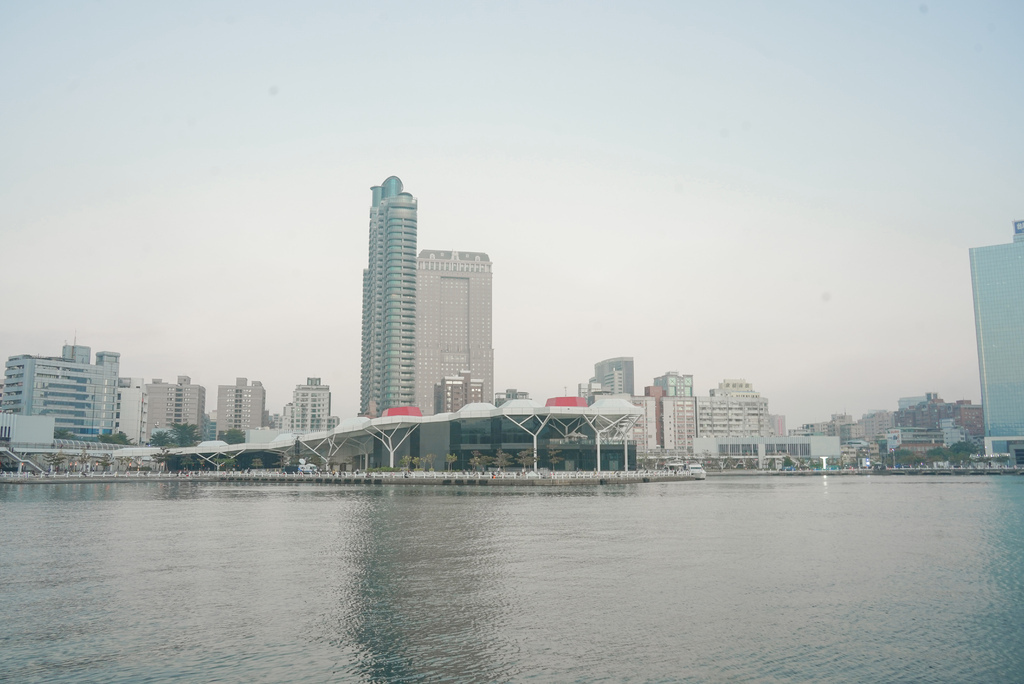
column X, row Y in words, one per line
column 845, row 579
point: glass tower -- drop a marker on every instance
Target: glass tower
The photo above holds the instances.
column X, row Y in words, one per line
column 997, row 277
column 388, row 372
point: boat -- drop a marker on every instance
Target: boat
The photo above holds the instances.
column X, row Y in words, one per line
column 694, row 470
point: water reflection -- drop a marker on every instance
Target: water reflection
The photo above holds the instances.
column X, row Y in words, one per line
column 419, row 603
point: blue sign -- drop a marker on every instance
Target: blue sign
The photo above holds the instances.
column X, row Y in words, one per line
column 1018, row 227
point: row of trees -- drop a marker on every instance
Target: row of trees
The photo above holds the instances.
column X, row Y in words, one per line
column 480, row 460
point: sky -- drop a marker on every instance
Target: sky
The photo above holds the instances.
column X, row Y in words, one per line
column 784, row 192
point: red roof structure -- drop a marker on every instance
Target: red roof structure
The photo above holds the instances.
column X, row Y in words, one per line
column 402, row 411
column 579, row 402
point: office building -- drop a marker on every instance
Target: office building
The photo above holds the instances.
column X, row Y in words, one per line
column 675, row 385
column 179, row 404
column 615, row 375
column 387, row 371
column 131, row 413
column 310, row 408
column 453, row 322
column 997, row 278
column 510, row 394
column 240, row 406
column 81, row 396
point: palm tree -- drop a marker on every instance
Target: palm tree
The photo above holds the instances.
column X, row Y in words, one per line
column 162, row 439
column 185, row 434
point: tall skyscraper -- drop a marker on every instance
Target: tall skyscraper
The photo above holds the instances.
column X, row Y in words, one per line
column 81, row 396
column 453, row 323
column 387, row 371
column 615, row 375
column 997, row 278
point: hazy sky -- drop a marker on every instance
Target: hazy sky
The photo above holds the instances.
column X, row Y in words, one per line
column 778, row 191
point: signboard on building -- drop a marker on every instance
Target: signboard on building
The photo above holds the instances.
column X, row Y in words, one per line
column 1018, row 227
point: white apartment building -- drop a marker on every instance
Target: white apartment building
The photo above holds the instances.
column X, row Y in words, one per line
column 735, row 409
column 645, row 430
column 240, row 406
column 679, row 419
column 182, row 403
column 310, row 408
column 131, row 412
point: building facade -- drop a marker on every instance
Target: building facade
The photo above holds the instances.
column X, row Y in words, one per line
column 179, row 404
column 310, row 409
column 240, row 406
column 80, row 395
column 387, row 370
column 131, row 414
column 615, row 375
column 735, row 409
column 675, row 385
column 997, row 279
column 453, row 322
column 456, row 391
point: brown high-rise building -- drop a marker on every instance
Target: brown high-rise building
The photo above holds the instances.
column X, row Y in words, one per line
column 453, row 322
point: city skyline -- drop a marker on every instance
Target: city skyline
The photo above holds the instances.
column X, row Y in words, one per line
column 786, row 195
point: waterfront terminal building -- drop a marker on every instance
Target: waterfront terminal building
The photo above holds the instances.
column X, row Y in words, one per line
column 565, row 434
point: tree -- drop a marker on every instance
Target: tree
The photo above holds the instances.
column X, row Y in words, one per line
column 104, row 462
column 416, row 461
column 124, row 462
column 256, row 463
column 185, row 434
column 63, row 433
column 449, row 459
column 226, row 462
column 480, row 460
column 405, row 461
column 553, row 457
column 526, row 458
column 162, row 458
column 939, row 454
column 55, row 460
column 502, row 459
column 162, row 439
column 187, row 462
column 232, row 436
column 116, row 438
column 904, row 456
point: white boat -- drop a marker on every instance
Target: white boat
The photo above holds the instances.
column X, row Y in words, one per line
column 694, row 470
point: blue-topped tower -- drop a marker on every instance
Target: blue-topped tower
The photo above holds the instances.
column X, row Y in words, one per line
column 388, row 366
column 997, row 278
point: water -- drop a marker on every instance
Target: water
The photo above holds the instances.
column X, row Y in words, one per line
column 848, row 579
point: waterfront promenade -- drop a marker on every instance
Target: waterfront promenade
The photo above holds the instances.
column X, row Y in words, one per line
column 495, row 479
